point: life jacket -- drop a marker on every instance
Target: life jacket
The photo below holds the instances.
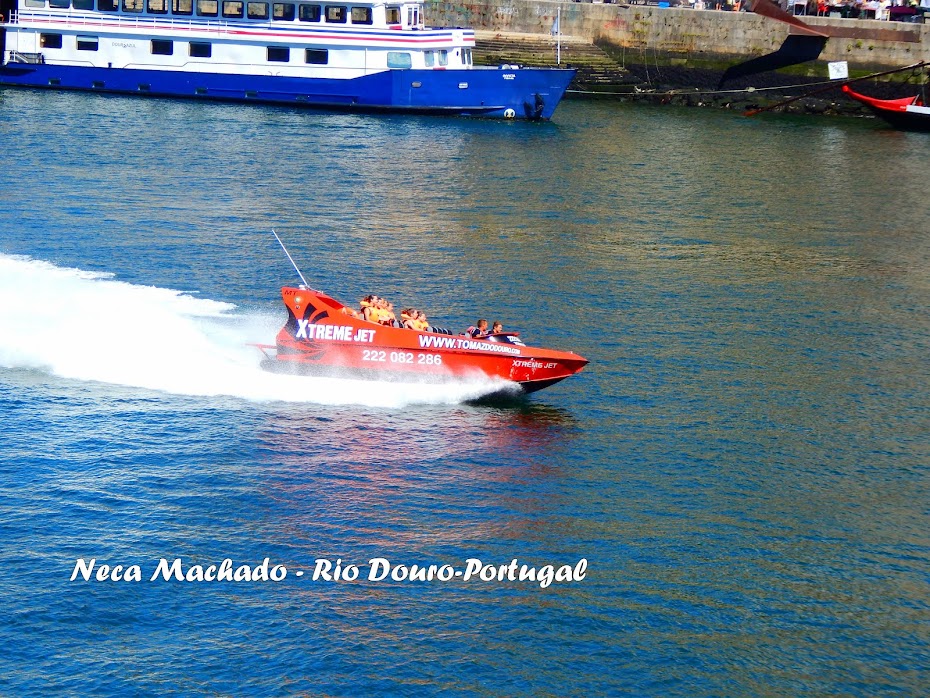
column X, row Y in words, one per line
column 420, row 325
column 374, row 314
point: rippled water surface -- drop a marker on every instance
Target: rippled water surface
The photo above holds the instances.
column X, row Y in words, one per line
column 744, row 464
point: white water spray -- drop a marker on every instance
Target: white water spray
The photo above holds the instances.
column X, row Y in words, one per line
column 87, row 326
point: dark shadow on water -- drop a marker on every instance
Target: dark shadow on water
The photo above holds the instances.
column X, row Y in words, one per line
column 501, row 398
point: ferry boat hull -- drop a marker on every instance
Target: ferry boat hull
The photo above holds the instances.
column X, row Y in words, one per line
column 319, row 338
column 518, row 93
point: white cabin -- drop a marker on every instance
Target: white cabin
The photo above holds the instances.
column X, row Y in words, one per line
column 293, row 39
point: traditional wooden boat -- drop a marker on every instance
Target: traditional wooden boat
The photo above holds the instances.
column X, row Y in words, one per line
column 907, row 113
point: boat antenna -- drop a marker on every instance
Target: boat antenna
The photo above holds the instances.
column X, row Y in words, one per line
column 294, row 264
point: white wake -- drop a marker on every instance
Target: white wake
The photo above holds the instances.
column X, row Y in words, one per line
column 88, row 326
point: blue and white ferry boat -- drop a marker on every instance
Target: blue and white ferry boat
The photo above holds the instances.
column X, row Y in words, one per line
column 345, row 54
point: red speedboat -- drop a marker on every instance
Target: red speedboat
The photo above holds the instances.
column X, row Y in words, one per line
column 323, row 337
column 907, row 113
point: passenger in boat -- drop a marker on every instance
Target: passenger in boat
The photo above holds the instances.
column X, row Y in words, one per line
column 387, row 314
column 479, row 329
column 498, row 328
column 370, row 309
column 407, row 316
column 365, row 304
column 414, row 319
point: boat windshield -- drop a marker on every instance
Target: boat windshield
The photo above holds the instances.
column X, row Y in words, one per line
column 505, row 338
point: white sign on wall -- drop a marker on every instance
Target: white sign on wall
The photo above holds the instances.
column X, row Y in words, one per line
column 839, row 70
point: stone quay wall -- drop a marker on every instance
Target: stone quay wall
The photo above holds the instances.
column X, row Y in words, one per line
column 639, row 31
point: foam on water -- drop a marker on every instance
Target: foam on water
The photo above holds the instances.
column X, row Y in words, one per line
column 88, row 326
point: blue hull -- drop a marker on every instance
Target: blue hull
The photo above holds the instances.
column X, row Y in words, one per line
column 521, row 93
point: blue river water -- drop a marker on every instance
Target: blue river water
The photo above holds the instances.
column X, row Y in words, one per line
column 743, row 465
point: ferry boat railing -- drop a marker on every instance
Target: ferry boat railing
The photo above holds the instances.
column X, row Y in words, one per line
column 106, row 20
column 22, row 57
column 119, row 21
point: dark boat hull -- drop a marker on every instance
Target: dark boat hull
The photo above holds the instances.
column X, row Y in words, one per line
column 906, row 114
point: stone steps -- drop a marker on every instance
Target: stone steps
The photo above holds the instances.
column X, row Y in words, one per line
column 595, row 68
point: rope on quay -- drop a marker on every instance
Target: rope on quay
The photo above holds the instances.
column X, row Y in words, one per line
column 746, row 90
column 818, row 88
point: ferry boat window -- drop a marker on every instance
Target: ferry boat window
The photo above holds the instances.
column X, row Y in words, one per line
column 59, row 4
column 361, row 15
column 257, row 10
column 108, row 5
column 50, row 40
column 466, row 59
column 317, row 56
column 207, row 8
column 198, row 50
column 392, row 15
column 443, row 57
column 413, row 16
column 429, row 58
column 279, row 54
column 158, row 7
column 398, row 59
column 162, row 48
column 283, row 11
column 310, row 13
column 336, row 14
column 86, row 43
column 232, row 8
column 133, row 5
column 83, row 4
column 35, row 3
column 182, row 7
